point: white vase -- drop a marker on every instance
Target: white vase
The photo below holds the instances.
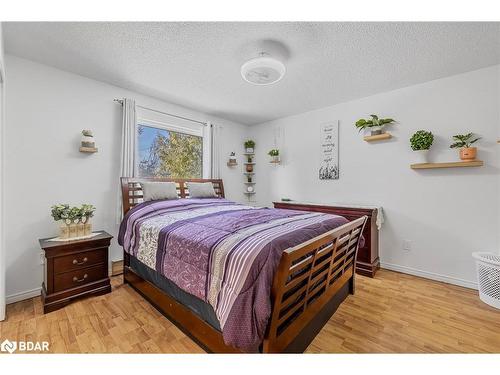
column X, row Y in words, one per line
column 88, row 141
column 422, row 156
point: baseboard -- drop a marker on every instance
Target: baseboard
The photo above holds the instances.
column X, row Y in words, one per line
column 393, row 267
column 16, row 297
column 116, row 267
column 430, row 275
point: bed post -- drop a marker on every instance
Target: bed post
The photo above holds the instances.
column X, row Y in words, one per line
column 126, row 264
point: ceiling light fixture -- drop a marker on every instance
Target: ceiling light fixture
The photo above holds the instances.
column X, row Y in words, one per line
column 263, row 70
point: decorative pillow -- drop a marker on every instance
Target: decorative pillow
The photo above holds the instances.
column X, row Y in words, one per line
column 201, row 190
column 154, row 191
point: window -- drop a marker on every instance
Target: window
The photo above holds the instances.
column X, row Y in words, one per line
column 164, row 152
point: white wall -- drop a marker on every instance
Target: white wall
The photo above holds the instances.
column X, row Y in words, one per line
column 447, row 214
column 46, row 110
column 2, row 247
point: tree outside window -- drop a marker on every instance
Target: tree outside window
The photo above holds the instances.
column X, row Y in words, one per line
column 165, row 153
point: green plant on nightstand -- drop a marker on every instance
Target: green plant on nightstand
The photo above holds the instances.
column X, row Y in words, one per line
column 421, row 142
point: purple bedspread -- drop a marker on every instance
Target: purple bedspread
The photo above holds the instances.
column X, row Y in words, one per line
column 224, row 253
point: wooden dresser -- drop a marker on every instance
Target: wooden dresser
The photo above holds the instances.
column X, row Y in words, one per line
column 74, row 269
column 368, row 261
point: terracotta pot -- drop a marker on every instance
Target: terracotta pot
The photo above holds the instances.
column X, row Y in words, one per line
column 468, row 153
column 249, row 168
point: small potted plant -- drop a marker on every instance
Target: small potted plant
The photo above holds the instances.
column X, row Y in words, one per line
column 232, row 160
column 375, row 124
column 88, row 139
column 87, row 212
column 60, row 213
column 421, row 142
column 275, row 155
column 249, row 146
column 249, row 178
column 464, row 142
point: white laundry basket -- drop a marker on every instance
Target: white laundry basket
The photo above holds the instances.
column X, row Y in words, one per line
column 488, row 276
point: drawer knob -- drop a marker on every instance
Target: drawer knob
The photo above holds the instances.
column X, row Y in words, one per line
column 77, row 280
column 82, row 262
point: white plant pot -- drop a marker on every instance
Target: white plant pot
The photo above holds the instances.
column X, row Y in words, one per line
column 88, row 141
column 375, row 130
column 422, row 156
column 249, row 150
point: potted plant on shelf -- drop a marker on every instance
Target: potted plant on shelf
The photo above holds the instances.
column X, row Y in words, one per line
column 232, row 160
column 421, row 142
column 275, row 155
column 88, row 139
column 375, row 124
column 249, row 146
column 464, row 142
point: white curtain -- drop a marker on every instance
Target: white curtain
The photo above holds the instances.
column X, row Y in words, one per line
column 128, row 165
column 215, row 150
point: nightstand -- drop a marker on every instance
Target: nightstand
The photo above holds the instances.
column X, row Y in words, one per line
column 74, row 269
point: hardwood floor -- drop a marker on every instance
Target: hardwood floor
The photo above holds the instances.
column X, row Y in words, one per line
column 392, row 313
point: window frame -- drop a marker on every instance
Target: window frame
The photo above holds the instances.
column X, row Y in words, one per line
column 202, row 132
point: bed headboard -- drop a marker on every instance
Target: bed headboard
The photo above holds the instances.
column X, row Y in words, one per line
column 132, row 190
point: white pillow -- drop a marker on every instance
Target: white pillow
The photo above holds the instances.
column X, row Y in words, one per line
column 154, row 191
column 201, row 190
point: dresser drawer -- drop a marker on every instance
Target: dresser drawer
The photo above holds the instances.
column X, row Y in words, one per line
column 79, row 260
column 79, row 277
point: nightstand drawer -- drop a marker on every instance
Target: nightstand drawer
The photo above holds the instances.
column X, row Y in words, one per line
column 80, row 277
column 79, row 260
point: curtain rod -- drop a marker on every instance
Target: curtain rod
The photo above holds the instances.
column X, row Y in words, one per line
column 163, row 113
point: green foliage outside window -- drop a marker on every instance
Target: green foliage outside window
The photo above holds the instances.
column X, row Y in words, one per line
column 169, row 154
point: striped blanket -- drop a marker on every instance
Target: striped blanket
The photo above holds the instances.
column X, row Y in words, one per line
column 222, row 252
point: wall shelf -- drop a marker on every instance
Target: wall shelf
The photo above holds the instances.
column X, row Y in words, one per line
column 89, row 150
column 457, row 164
column 249, row 192
column 378, row 137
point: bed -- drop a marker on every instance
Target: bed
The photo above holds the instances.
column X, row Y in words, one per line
column 237, row 278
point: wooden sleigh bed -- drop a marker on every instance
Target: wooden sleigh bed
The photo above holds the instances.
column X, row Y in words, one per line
column 311, row 281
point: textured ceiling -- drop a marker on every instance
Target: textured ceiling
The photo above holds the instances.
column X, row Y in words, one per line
column 198, row 64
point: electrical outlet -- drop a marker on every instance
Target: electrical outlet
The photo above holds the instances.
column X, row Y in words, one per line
column 42, row 258
column 406, row 245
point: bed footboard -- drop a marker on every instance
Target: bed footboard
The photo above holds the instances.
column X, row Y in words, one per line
column 308, row 278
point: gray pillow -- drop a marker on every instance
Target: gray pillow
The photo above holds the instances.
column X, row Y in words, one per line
column 154, row 191
column 201, row 190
